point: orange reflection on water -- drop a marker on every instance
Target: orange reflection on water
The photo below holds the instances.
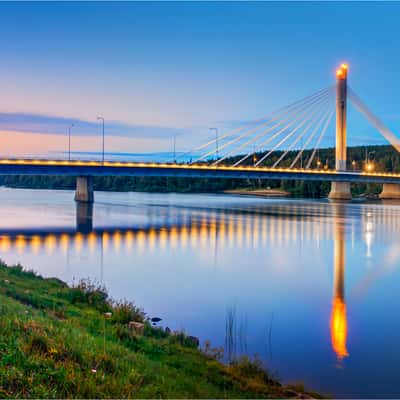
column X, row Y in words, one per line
column 338, row 315
column 339, row 328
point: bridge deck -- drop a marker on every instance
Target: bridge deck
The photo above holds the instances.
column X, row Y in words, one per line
column 114, row 168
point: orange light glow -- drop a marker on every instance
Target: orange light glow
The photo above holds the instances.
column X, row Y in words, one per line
column 339, row 72
column 339, row 328
column 344, row 66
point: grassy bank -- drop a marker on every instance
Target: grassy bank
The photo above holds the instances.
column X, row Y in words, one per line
column 58, row 341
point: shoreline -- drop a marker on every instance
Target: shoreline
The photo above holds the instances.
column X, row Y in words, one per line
column 259, row 192
column 74, row 341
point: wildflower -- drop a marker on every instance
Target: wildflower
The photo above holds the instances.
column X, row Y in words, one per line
column 94, row 370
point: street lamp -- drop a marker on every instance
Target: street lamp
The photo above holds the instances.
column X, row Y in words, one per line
column 216, row 141
column 175, row 148
column 69, row 141
column 368, row 164
column 102, row 119
column 353, row 163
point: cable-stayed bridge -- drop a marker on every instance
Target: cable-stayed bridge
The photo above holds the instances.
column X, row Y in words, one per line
column 258, row 149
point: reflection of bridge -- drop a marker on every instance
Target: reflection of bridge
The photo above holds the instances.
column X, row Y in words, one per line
column 255, row 150
column 255, row 225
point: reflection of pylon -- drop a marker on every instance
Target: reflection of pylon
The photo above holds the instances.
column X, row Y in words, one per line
column 339, row 328
column 338, row 316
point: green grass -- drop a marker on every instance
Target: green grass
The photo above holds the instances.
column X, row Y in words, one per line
column 52, row 346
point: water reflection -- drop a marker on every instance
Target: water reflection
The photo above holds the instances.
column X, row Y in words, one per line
column 338, row 317
column 207, row 230
column 280, row 258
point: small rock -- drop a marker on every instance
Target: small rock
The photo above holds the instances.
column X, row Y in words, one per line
column 136, row 327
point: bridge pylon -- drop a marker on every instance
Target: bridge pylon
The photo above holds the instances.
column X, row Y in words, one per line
column 341, row 190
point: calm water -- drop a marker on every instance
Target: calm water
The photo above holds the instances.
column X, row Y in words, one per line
column 313, row 287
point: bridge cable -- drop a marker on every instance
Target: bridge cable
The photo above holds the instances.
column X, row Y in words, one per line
column 382, row 129
column 288, row 109
column 290, row 115
column 317, row 117
column 275, row 135
column 310, row 138
column 247, row 125
column 328, row 121
column 283, row 140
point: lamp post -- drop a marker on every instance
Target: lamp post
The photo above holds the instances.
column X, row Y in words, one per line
column 102, row 119
column 69, row 141
column 368, row 165
column 216, row 141
column 175, row 148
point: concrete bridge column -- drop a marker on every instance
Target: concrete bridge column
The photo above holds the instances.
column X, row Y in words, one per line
column 84, row 189
column 390, row 191
column 341, row 190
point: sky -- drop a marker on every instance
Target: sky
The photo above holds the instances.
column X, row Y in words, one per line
column 159, row 70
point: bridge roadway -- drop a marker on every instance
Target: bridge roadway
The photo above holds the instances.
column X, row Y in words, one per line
column 115, row 168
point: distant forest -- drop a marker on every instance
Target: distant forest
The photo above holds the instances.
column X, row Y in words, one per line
column 382, row 158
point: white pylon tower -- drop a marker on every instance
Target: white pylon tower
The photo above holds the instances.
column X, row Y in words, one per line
column 341, row 114
column 341, row 190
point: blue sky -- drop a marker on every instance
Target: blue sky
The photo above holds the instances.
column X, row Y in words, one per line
column 158, row 69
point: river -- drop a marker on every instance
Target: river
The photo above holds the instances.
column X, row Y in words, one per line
column 311, row 287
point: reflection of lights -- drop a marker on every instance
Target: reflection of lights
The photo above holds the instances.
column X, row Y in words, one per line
column 163, row 237
column 105, row 240
column 248, row 230
column 239, row 233
column 231, row 232
column 369, row 235
column 78, row 242
column 129, row 237
column 193, row 235
column 5, row 243
column 339, row 328
column 203, row 234
column 184, row 236
column 64, row 242
column 116, row 239
column 152, row 236
column 92, row 241
column 173, row 237
column 36, row 243
column 20, row 243
column 141, row 240
column 50, row 242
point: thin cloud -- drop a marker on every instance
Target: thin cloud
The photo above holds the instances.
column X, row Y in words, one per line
column 56, row 125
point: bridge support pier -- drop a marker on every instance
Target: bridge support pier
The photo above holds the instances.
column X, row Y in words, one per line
column 84, row 189
column 390, row 191
column 340, row 191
